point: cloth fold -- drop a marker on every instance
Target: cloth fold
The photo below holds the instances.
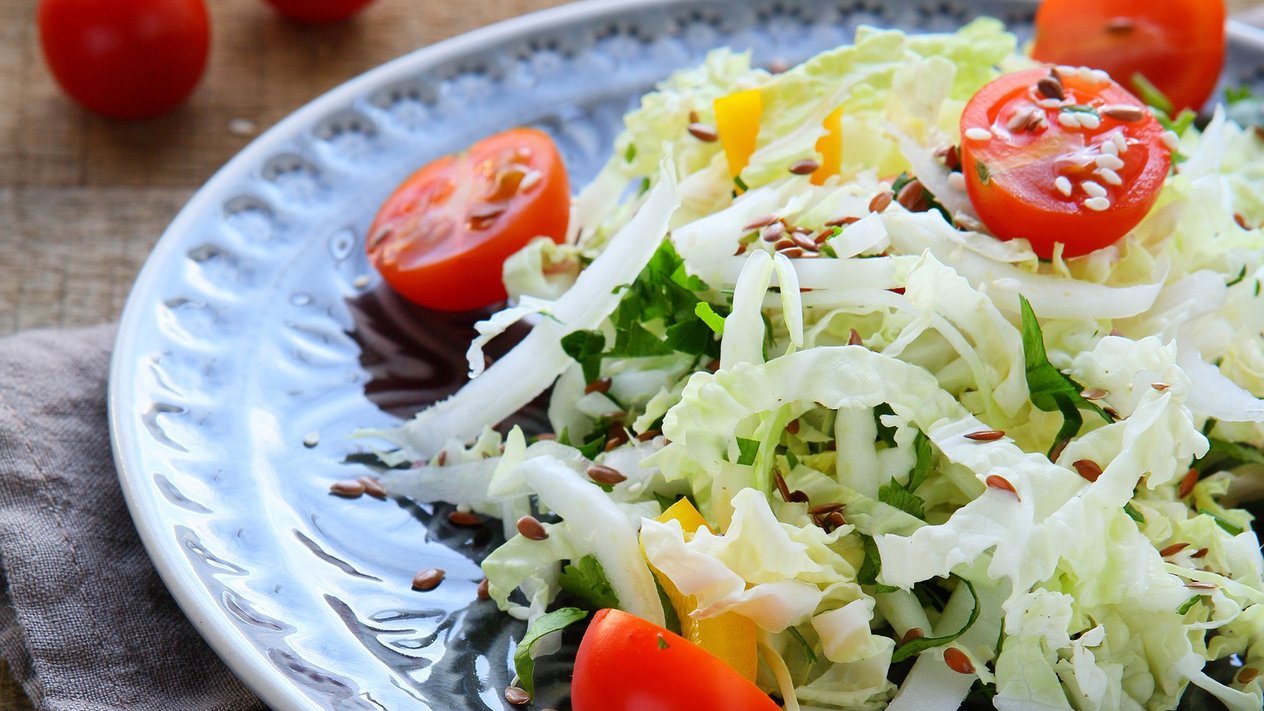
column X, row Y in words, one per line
column 85, row 622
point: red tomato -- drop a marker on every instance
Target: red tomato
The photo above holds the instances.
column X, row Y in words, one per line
column 1178, row 45
column 1082, row 170
column 443, row 236
column 318, row 11
column 625, row 663
column 125, row 59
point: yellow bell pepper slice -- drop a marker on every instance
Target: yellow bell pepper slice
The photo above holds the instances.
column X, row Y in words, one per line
column 737, row 123
column 830, row 146
column 729, row 636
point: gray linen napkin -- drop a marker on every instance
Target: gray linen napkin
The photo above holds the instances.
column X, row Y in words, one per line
column 85, row 622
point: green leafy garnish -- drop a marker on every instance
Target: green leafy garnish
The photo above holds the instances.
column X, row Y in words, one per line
column 1223, row 455
column 586, row 580
column 543, row 625
column 585, row 347
column 708, row 315
column 1051, row 390
column 747, row 450
column 921, row 644
column 893, row 494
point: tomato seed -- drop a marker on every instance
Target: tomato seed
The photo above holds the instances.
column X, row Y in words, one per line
column 531, row 528
column 428, row 579
column 958, row 661
column 603, row 474
column 1087, row 468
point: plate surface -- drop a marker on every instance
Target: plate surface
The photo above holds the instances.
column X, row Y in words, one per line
column 257, row 338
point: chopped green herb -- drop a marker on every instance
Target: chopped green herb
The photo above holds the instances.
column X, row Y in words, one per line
column 741, row 184
column 1230, row 527
column 1241, row 277
column 886, row 434
column 871, row 567
column 747, row 450
column 644, row 187
column 1223, row 455
column 792, row 460
column 1150, row 94
column 1133, row 513
column 586, row 580
column 921, row 469
column 543, row 626
column 585, row 347
column 662, row 642
column 1235, row 94
column 708, row 315
column 1188, row 604
column 629, row 155
column 808, row 652
column 893, row 494
column 917, row 646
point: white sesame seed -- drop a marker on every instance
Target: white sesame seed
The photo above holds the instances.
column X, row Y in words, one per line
column 1119, row 142
column 1090, row 120
column 531, row 178
column 1007, row 284
column 1110, row 148
column 311, row 439
column 1093, row 189
column 956, row 181
column 1106, row 160
column 1099, row 76
column 1063, row 184
column 978, row 134
column 1097, row 204
column 1171, row 140
column 1069, row 119
column 1109, row 176
column 361, row 281
column 1050, row 103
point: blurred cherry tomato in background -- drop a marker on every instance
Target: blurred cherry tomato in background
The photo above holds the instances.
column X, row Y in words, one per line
column 1177, row 45
column 125, row 59
column 318, row 11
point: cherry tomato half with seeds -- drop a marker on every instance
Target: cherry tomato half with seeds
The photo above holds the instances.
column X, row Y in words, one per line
column 125, row 59
column 1056, row 156
column 441, row 239
column 318, row 11
column 625, row 663
column 1177, row 45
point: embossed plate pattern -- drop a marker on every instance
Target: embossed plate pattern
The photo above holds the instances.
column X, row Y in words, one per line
column 257, row 338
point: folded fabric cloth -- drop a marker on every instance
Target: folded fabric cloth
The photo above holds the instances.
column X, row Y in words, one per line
column 85, row 622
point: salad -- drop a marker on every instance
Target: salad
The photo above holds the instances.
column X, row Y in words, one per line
column 920, row 372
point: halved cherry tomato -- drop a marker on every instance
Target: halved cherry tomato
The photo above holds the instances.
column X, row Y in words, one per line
column 443, row 236
column 625, row 663
column 1177, row 45
column 318, row 11
column 1081, row 170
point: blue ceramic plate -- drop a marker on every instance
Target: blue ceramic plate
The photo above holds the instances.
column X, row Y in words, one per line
column 257, row 338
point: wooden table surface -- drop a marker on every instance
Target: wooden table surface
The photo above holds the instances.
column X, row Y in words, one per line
column 83, row 199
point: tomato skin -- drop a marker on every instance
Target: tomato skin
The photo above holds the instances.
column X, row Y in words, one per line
column 625, row 663
column 318, row 11
column 442, row 237
column 125, row 59
column 1178, row 45
column 1015, row 193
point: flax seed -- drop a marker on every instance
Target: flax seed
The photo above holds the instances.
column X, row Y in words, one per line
column 703, row 132
column 1092, row 393
column 350, row 488
column 531, row 528
column 1051, row 88
column 986, row 435
column 1087, row 469
column 483, row 591
column 958, row 661
column 372, row 487
column 912, row 634
column 1188, row 483
column 464, row 518
column 1173, row 549
column 603, row 474
column 825, row 509
column 761, row 222
column 773, row 232
column 805, row 167
column 854, row 339
column 880, row 202
column 517, row 696
column 996, row 481
column 428, row 579
column 600, row 385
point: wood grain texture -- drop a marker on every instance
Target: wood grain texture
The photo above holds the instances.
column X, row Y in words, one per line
column 83, row 199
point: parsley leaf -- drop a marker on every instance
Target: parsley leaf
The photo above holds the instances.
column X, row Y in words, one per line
column 586, row 580
column 585, row 347
column 1051, row 390
column 543, row 625
column 892, row 494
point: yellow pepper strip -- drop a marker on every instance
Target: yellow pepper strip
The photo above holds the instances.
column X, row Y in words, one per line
column 729, row 636
column 737, row 123
column 830, row 146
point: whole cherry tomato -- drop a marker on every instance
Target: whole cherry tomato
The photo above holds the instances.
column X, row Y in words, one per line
column 441, row 239
column 125, row 59
column 1177, row 45
column 1061, row 156
column 318, row 11
column 625, row 663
